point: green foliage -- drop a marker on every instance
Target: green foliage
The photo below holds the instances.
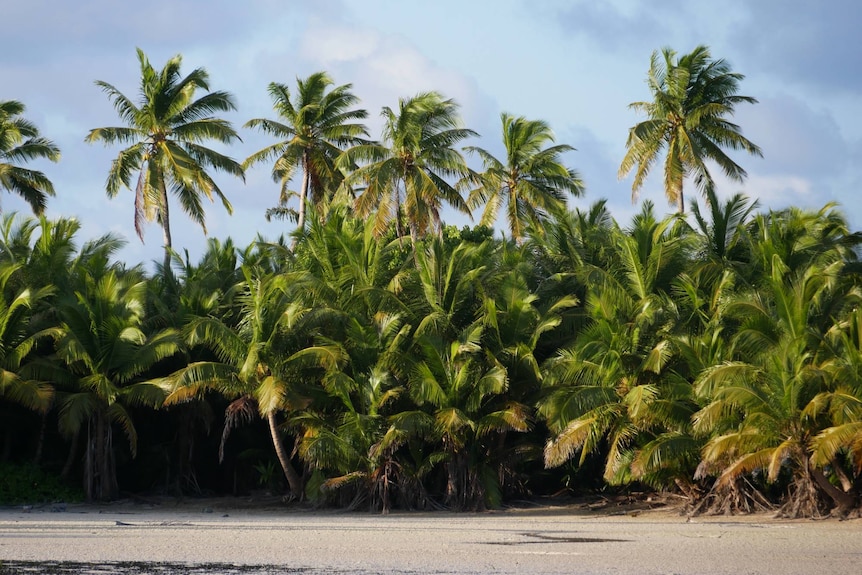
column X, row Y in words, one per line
column 531, row 184
column 693, row 98
column 20, row 142
column 164, row 132
column 313, row 129
column 718, row 356
column 28, row 484
column 405, row 177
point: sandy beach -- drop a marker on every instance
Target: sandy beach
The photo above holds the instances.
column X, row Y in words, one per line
column 552, row 540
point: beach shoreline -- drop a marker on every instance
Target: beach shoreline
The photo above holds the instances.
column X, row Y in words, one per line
column 542, row 540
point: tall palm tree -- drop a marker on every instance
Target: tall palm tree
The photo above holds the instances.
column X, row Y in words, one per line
column 313, row 129
column 406, row 176
column 693, row 97
column 20, row 142
column 165, row 130
column 532, row 181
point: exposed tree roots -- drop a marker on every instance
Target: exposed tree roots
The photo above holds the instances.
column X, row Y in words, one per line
column 736, row 498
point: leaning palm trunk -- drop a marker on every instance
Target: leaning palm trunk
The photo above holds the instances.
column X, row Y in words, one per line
column 845, row 501
column 293, row 478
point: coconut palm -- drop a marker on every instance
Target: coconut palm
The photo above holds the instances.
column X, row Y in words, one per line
column 458, row 384
column 618, row 382
column 353, row 445
column 17, row 341
column 693, row 98
column 252, row 366
column 532, row 183
column 20, row 142
column 44, row 249
column 762, row 411
column 454, row 379
column 313, row 129
column 838, row 447
column 164, row 132
column 48, row 260
column 104, row 352
column 406, row 177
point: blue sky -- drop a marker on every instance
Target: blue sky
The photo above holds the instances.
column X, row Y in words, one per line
column 575, row 64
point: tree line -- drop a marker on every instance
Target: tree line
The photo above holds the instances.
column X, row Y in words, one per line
column 396, row 361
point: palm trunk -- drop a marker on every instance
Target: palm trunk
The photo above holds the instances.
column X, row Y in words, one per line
column 303, row 196
column 73, row 452
column 40, row 442
column 452, row 492
column 89, row 474
column 166, row 232
column 185, row 442
column 293, row 479
column 100, row 478
column 399, row 228
column 843, row 501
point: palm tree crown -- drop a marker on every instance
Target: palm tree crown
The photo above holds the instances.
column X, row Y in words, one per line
column 313, row 129
column 532, row 181
column 693, row 96
column 20, row 142
column 406, row 176
column 165, row 130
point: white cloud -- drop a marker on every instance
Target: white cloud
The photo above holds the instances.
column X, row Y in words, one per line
column 781, row 190
column 383, row 68
column 333, row 45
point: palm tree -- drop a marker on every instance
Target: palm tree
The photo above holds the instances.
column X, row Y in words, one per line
column 723, row 237
column 17, row 340
column 47, row 262
column 532, row 182
column 459, row 383
column 353, row 444
column 839, row 446
column 252, row 365
column 618, row 382
column 313, row 130
column 406, row 176
column 104, row 353
column 762, row 410
column 165, row 130
column 20, row 142
column 693, row 96
column 459, row 386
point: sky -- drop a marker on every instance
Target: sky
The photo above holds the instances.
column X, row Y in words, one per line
column 576, row 64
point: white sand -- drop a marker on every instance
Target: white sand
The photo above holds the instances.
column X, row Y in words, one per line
column 556, row 540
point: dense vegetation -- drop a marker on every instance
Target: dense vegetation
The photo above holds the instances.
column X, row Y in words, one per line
column 380, row 358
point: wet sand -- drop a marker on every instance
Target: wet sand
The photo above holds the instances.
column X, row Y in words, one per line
column 536, row 541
